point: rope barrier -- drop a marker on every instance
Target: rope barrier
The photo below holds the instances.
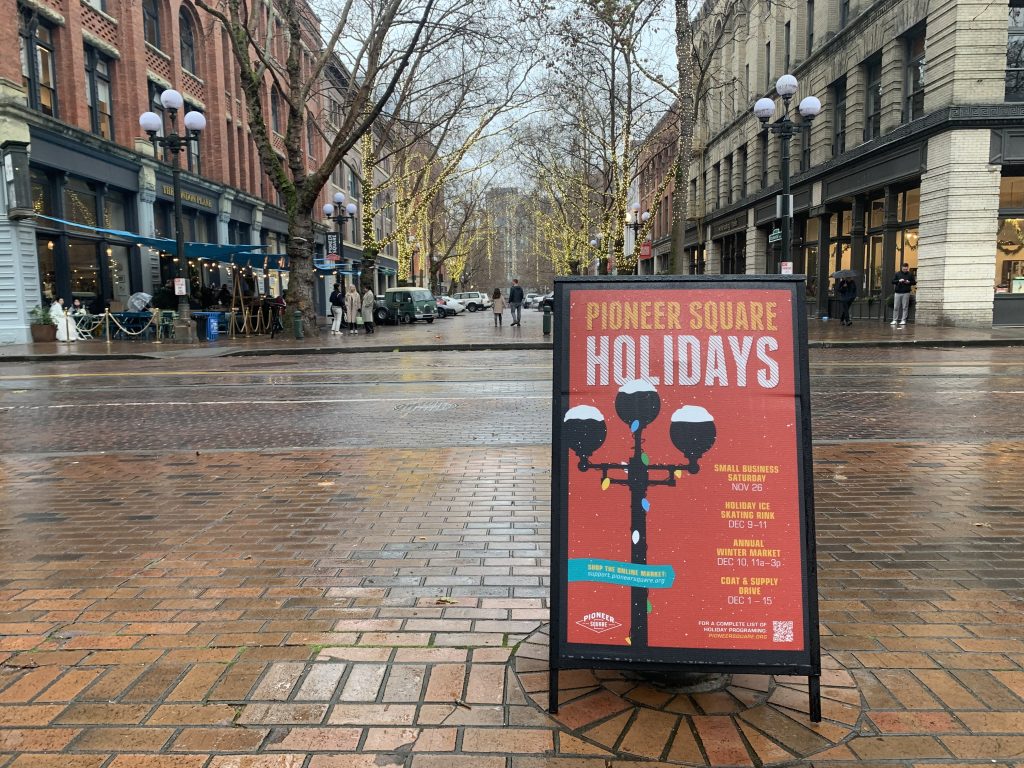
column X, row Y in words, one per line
column 124, row 330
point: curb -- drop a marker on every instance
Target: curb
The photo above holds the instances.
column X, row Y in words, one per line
column 481, row 347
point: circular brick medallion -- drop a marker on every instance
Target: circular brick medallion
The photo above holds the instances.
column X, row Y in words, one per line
column 743, row 720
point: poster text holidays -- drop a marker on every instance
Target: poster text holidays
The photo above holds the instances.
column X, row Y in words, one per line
column 719, row 343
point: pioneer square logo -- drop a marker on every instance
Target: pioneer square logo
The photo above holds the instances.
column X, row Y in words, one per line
column 598, row 622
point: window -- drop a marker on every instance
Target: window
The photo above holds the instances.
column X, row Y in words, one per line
column 746, row 80
column 913, row 106
column 763, row 149
column 192, row 148
column 788, row 50
column 810, row 27
column 97, row 93
column 767, row 66
column 839, row 116
column 844, row 13
column 714, row 195
column 741, row 159
column 151, row 22
column 309, row 133
column 275, row 110
column 873, row 103
column 99, row 5
column 805, row 146
column 186, row 35
column 38, row 63
column 1015, row 54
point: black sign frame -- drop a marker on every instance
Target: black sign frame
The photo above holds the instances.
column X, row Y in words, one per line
column 565, row 655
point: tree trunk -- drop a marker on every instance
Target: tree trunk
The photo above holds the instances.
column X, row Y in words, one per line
column 302, row 278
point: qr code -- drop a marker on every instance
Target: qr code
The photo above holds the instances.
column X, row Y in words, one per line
column 782, row 631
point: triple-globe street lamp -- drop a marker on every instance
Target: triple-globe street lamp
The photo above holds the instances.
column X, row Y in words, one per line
column 785, row 129
column 339, row 213
column 175, row 143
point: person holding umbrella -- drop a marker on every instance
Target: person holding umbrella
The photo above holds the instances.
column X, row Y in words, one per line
column 846, row 292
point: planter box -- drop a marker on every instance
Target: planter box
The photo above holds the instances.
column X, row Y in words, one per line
column 43, row 333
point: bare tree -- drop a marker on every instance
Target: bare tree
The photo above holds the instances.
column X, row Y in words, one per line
column 282, row 51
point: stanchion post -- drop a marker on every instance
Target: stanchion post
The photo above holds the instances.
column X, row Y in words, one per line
column 106, row 324
column 158, row 316
column 67, row 329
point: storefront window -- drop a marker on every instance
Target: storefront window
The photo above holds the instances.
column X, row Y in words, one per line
column 80, row 202
column 114, row 210
column 1011, row 192
column 1010, row 256
column 120, row 277
column 84, row 271
column 811, row 229
column 42, row 194
column 46, row 250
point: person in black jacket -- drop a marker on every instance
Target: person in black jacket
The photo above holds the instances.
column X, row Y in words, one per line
column 847, row 292
column 337, row 300
column 902, row 282
column 515, row 301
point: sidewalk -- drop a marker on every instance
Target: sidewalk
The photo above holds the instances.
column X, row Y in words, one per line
column 476, row 332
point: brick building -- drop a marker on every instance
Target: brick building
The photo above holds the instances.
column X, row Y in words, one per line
column 917, row 155
column 69, row 109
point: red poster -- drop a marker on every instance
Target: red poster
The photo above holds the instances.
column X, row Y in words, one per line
column 682, row 524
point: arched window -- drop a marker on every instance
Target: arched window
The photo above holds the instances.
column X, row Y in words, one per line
column 151, row 22
column 188, row 42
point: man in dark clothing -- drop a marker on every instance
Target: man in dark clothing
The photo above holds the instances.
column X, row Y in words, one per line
column 515, row 301
column 847, row 292
column 337, row 300
column 902, row 282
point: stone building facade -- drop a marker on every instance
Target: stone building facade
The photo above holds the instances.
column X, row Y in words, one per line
column 69, row 112
column 917, row 155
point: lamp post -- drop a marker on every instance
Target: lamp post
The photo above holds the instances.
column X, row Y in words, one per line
column 785, row 129
column 636, row 221
column 175, row 143
column 595, row 243
column 339, row 213
column 637, row 404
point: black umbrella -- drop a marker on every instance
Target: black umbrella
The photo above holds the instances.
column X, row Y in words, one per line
column 844, row 273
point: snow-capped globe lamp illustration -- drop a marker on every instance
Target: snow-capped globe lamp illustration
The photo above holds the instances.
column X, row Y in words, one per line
column 584, row 431
column 693, row 432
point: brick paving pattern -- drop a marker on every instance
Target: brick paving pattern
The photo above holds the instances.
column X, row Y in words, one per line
column 342, row 607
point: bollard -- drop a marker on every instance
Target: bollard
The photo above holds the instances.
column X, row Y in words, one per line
column 297, row 323
column 547, row 320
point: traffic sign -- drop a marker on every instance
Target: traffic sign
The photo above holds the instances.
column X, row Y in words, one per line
column 775, row 236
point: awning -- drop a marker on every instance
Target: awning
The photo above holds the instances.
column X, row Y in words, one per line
column 210, row 251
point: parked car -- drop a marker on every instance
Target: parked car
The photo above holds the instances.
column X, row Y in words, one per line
column 381, row 316
column 530, row 299
column 547, row 300
column 407, row 305
column 474, row 300
column 449, row 307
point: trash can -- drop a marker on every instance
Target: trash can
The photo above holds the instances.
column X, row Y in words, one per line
column 297, row 323
column 547, row 320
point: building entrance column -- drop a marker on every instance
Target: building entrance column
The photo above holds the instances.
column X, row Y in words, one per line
column 958, row 227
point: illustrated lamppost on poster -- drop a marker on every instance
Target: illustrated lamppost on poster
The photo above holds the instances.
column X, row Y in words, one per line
column 175, row 143
column 692, row 431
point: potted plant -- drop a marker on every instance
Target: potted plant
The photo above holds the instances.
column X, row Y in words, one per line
column 42, row 328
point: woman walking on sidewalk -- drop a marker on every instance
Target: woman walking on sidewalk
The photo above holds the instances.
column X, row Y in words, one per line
column 498, row 308
column 351, row 307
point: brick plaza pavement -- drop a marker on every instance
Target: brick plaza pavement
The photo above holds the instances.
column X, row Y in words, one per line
column 349, row 609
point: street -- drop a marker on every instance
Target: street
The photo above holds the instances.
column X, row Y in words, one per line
column 341, row 560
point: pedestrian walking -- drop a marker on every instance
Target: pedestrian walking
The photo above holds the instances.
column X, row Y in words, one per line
column 846, row 290
column 515, row 302
column 498, row 307
column 351, row 307
column 902, row 282
column 369, row 302
column 337, row 300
